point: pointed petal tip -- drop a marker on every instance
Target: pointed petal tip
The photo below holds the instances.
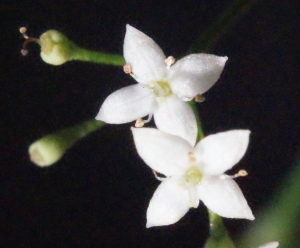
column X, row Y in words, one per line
column 99, row 116
column 251, row 217
column 225, row 58
column 244, row 133
column 148, row 225
column 133, row 31
column 222, row 60
column 130, row 30
column 129, row 26
column 105, row 118
column 247, row 214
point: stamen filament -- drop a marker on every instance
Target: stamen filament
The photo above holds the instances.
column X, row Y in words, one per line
column 28, row 40
column 157, row 177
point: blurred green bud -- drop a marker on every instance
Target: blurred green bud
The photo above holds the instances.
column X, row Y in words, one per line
column 46, row 151
column 50, row 148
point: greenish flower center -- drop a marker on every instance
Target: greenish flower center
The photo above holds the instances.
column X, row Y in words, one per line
column 193, row 176
column 161, row 89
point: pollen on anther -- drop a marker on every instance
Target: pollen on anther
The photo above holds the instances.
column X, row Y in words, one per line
column 139, row 123
column 199, row 98
column 241, row 173
column 23, row 31
column 170, row 61
column 24, row 52
column 192, row 158
column 28, row 40
column 127, row 68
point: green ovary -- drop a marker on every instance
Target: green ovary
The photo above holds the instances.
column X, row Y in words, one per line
column 193, row 176
column 161, row 89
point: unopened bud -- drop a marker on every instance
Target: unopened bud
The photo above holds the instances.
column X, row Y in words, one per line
column 56, row 49
column 46, row 151
column 50, row 148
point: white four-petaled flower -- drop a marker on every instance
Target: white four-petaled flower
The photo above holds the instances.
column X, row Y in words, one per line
column 193, row 174
column 162, row 89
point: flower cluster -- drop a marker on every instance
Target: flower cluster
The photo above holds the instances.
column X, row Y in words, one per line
column 193, row 172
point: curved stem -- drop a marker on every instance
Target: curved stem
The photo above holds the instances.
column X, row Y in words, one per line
column 226, row 20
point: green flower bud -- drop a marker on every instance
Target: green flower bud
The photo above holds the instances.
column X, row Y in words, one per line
column 56, row 49
column 50, row 148
column 46, row 151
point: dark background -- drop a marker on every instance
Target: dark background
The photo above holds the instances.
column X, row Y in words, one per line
column 97, row 195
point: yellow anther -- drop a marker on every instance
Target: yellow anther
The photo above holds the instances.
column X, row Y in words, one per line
column 170, row 61
column 241, row 173
column 127, row 68
column 28, row 40
column 139, row 123
column 199, row 98
column 192, row 159
column 23, row 31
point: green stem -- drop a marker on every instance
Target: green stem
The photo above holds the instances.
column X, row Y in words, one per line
column 200, row 134
column 226, row 20
column 218, row 234
column 279, row 220
column 82, row 54
column 79, row 131
column 219, row 237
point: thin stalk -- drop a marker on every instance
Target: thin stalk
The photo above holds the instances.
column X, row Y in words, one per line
column 200, row 134
column 221, row 26
column 82, row 54
column 219, row 237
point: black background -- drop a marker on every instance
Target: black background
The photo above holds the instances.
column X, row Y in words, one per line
column 97, row 195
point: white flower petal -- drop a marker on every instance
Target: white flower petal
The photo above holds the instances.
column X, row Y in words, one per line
column 127, row 104
column 168, row 204
column 224, row 197
column 270, row 245
column 219, row 152
column 195, row 74
column 176, row 117
column 144, row 56
column 164, row 153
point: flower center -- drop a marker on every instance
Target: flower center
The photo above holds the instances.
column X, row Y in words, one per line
column 193, row 176
column 161, row 89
